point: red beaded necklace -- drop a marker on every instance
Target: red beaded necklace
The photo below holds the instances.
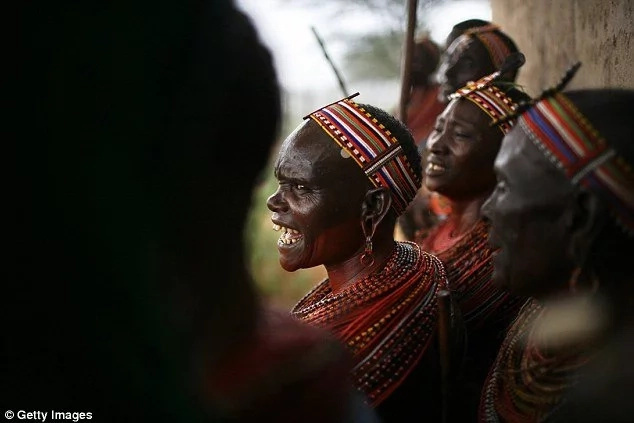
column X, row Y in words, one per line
column 387, row 320
column 527, row 381
column 469, row 263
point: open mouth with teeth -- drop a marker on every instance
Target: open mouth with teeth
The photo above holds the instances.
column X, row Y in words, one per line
column 433, row 169
column 288, row 236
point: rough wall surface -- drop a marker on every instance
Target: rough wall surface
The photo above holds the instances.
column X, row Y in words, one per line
column 553, row 34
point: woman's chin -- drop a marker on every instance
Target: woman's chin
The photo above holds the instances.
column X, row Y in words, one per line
column 288, row 266
column 435, row 186
column 290, row 255
column 446, row 90
column 499, row 279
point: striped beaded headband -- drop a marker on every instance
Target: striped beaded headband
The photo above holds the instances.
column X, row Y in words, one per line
column 490, row 99
column 568, row 139
column 377, row 152
column 497, row 49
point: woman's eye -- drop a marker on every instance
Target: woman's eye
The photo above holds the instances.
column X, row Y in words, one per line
column 500, row 187
column 300, row 187
column 467, row 63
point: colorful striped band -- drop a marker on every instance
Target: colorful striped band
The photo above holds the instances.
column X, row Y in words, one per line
column 377, row 152
column 568, row 139
column 497, row 49
column 490, row 99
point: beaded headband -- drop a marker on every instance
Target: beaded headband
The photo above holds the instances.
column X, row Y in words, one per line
column 377, row 152
column 568, row 139
column 492, row 41
column 490, row 99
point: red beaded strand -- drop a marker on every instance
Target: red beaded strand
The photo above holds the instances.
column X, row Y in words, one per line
column 469, row 265
column 387, row 320
column 527, row 381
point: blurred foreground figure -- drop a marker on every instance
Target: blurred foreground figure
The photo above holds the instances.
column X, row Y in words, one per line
column 129, row 296
column 562, row 218
column 345, row 175
column 462, row 149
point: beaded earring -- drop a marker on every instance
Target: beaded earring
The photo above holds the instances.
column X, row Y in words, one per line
column 367, row 258
column 574, row 279
column 573, row 283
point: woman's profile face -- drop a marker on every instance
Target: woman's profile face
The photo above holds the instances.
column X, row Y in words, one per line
column 461, row 151
column 317, row 205
column 530, row 219
column 458, row 66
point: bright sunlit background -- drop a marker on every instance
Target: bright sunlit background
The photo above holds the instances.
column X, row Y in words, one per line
column 363, row 38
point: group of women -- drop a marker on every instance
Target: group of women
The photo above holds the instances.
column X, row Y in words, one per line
column 516, row 307
column 533, row 251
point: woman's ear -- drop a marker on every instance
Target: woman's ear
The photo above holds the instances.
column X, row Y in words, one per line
column 587, row 220
column 376, row 205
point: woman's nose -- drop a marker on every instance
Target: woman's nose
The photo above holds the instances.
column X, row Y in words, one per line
column 486, row 208
column 450, row 70
column 276, row 202
column 441, row 78
column 436, row 143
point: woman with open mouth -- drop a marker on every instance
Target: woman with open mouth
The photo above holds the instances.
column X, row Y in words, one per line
column 345, row 175
column 461, row 152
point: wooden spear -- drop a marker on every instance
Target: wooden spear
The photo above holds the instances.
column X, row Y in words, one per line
column 408, row 49
column 342, row 85
column 445, row 339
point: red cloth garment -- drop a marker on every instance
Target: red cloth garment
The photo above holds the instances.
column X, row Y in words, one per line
column 422, row 111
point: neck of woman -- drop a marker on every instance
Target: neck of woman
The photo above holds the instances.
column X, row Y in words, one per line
column 465, row 213
column 347, row 273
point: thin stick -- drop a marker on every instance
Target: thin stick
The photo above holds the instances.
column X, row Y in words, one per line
column 342, row 85
column 408, row 48
column 444, row 347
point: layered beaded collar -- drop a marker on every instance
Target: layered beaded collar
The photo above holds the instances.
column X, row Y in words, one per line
column 528, row 379
column 387, row 320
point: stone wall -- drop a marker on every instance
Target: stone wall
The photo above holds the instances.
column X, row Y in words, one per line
column 553, row 34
